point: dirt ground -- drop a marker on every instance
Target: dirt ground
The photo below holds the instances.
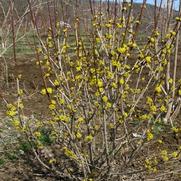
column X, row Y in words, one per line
column 20, row 171
column 30, row 82
column 35, row 105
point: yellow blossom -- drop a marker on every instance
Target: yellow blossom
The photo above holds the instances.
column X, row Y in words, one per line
column 61, row 101
column 37, row 134
column 179, row 147
column 114, row 85
column 173, row 33
column 52, row 106
column 148, row 59
column 122, row 49
column 99, row 83
column 179, row 92
column 158, row 89
column 153, row 108
column 49, row 90
column 108, row 105
column 89, row 138
column 178, row 19
column 101, row 90
column 56, row 83
column 80, row 120
column 163, row 108
column 69, row 153
column 63, row 118
column 149, row 135
column 16, row 123
column 98, row 40
column 11, row 107
column 164, row 155
column 121, row 81
column 144, row 117
column 11, row 113
column 111, row 125
column 105, row 98
column 43, row 91
column 53, row 102
column 20, row 92
column 110, row 75
column 170, row 80
column 51, row 161
column 149, row 101
column 97, row 94
column 78, row 135
column 160, row 141
column 175, row 154
column 152, row 40
column 174, row 129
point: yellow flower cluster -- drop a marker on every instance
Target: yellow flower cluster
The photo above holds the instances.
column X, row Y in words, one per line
column 123, row 49
column 69, row 153
column 151, row 164
column 12, row 111
column 89, row 138
column 149, row 135
column 45, row 91
column 164, row 155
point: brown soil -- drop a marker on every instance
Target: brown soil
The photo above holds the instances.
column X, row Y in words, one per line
column 30, row 81
column 20, row 171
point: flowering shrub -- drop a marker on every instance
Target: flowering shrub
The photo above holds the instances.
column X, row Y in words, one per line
column 108, row 101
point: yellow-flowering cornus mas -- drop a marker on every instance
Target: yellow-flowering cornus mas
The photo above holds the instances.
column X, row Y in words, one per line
column 99, row 83
column 78, row 135
column 105, row 99
column 158, row 89
column 164, row 155
column 56, row 83
column 178, row 19
column 153, row 108
column 49, row 90
column 16, row 123
column 149, row 101
column 102, row 85
column 121, row 81
column 88, row 138
column 123, row 49
column 12, row 110
column 149, row 135
column 179, row 92
column 148, row 59
column 52, row 106
column 163, row 108
column 175, row 154
column 69, row 153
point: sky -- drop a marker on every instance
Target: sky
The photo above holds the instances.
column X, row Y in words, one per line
column 176, row 2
